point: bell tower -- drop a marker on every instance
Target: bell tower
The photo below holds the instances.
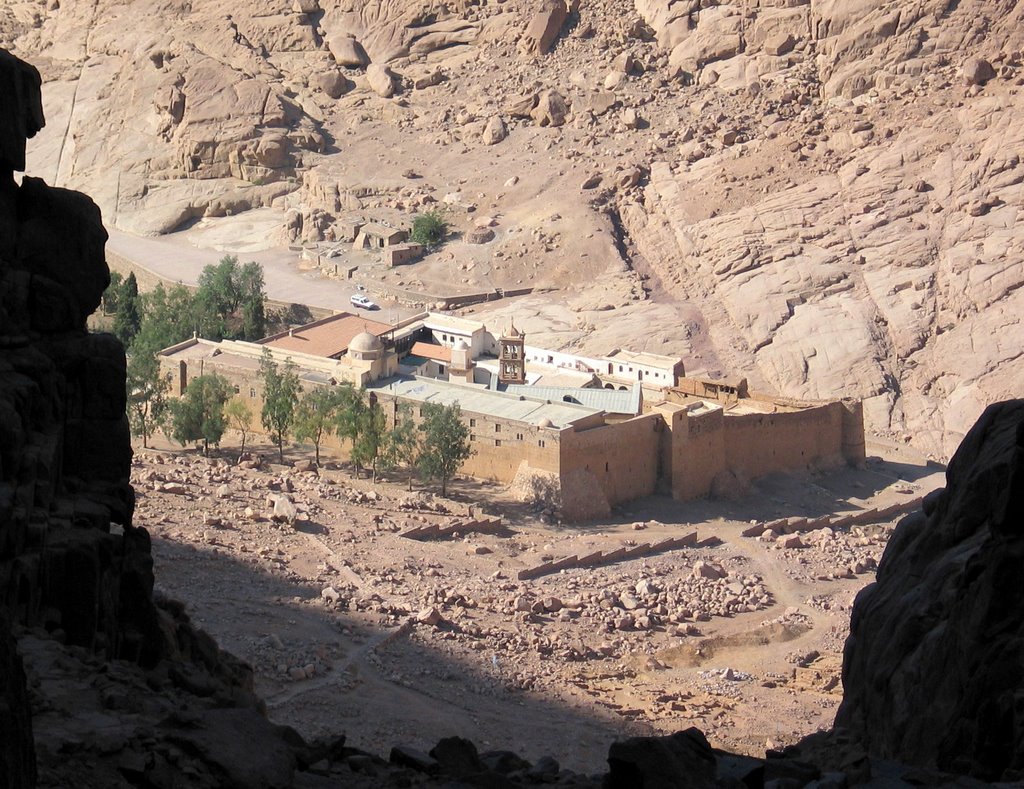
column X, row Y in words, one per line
column 512, row 356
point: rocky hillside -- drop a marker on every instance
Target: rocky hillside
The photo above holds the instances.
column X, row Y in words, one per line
column 821, row 196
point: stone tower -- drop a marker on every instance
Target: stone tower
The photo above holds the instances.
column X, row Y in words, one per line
column 512, row 357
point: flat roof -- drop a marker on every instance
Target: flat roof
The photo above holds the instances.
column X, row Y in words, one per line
column 478, row 400
column 440, row 320
column 379, row 229
column 207, row 349
column 328, row 337
column 613, row 401
column 644, row 358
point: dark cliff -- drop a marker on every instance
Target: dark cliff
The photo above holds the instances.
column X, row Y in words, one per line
column 933, row 669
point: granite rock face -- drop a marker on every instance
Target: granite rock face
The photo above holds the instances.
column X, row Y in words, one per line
column 934, row 666
column 73, row 569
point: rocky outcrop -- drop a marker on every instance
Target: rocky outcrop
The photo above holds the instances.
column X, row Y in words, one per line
column 545, row 26
column 76, row 577
column 934, row 666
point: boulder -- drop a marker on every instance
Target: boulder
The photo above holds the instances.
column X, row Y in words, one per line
column 545, row 26
column 332, row 82
column 779, row 44
column 381, row 80
column 551, row 109
column 348, row 52
column 495, row 131
column 977, row 71
column 283, row 509
column 683, row 759
column 933, row 669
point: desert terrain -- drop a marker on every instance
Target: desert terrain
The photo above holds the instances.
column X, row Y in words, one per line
column 352, row 627
column 821, row 197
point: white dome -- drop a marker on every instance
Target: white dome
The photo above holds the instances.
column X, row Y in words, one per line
column 364, row 342
column 545, row 422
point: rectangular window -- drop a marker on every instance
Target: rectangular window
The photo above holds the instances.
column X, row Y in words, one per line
column 541, row 443
column 472, row 422
column 497, row 442
column 497, row 428
column 519, row 436
column 252, row 392
column 472, row 437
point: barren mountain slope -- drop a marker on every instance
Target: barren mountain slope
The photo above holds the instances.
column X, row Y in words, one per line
column 831, row 188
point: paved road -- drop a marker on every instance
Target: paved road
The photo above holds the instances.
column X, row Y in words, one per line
column 179, row 261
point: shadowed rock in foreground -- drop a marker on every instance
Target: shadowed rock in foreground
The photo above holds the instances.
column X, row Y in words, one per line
column 933, row 670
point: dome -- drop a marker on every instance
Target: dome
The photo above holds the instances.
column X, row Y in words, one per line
column 460, row 345
column 545, row 422
column 364, row 342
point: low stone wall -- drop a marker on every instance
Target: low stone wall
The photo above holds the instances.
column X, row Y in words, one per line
column 803, row 525
column 600, row 558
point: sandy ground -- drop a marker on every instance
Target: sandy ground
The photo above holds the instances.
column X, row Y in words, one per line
column 352, row 627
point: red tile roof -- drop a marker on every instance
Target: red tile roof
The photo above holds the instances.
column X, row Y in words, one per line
column 428, row 350
column 326, row 337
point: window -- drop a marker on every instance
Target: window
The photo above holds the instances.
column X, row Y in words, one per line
column 497, row 428
column 252, row 392
column 541, row 443
column 519, row 436
column 472, row 422
column 472, row 437
column 605, row 466
column 497, row 442
column 620, row 368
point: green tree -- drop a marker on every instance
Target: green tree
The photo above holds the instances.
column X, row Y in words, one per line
column 166, row 319
column 199, row 414
column 402, row 444
column 230, row 300
column 316, row 415
column 252, row 297
column 147, row 395
column 127, row 319
column 445, row 444
column 349, row 420
column 368, row 445
column 429, row 228
column 239, row 417
column 280, row 396
column 111, row 293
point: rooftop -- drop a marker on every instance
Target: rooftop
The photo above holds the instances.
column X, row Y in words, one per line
column 613, row 401
column 644, row 358
column 438, row 320
column 328, row 337
column 429, row 350
column 486, row 402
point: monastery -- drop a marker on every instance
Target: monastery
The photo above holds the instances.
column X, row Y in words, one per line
column 582, row 434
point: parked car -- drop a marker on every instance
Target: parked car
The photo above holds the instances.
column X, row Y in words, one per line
column 358, row 300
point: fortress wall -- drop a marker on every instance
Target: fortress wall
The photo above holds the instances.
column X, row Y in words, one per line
column 698, row 453
column 622, row 457
column 757, row 444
